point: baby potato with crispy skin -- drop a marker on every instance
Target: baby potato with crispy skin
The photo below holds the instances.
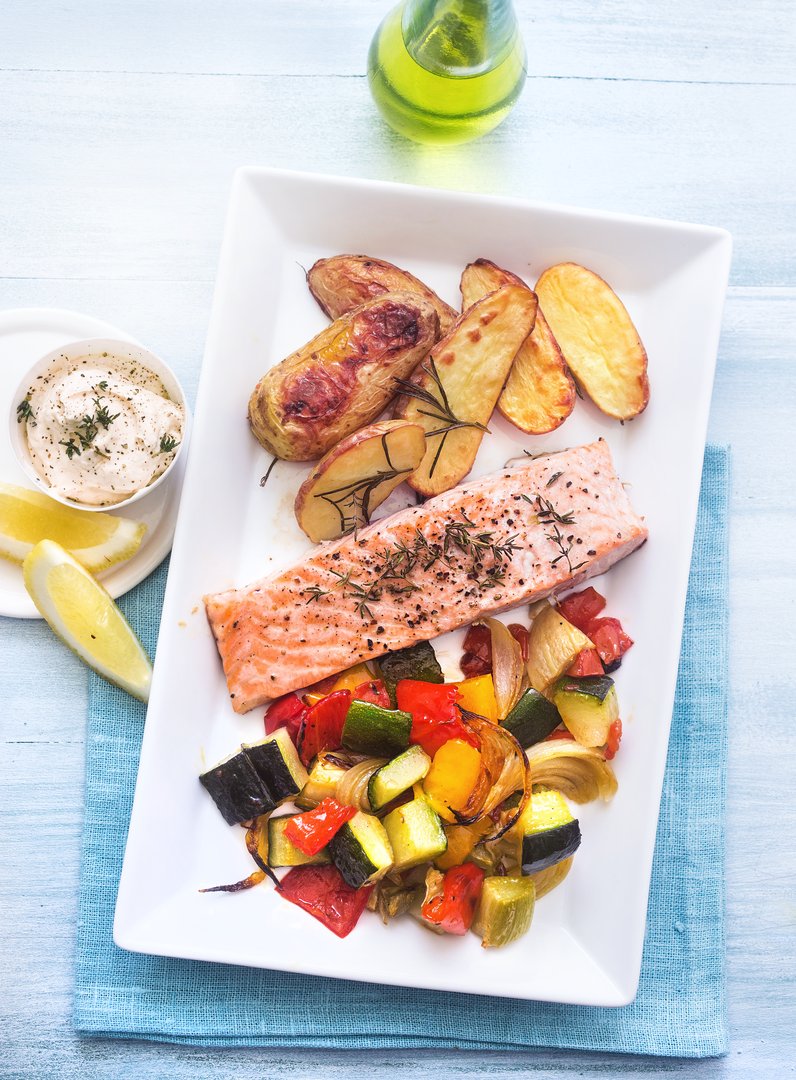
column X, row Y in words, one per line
column 343, row 378
column 342, row 282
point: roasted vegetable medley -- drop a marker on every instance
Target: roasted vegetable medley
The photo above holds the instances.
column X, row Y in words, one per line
column 447, row 802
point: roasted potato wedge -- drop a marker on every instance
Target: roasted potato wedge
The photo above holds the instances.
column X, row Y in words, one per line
column 540, row 392
column 343, row 378
column 346, row 281
column 597, row 337
column 453, row 394
column 358, row 474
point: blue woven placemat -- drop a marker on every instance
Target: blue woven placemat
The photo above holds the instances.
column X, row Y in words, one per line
column 680, row 1009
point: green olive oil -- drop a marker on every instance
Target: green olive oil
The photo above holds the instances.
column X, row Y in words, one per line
column 447, row 71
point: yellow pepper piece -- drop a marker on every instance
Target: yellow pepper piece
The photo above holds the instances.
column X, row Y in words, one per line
column 347, row 680
column 461, row 841
column 452, row 776
column 478, row 696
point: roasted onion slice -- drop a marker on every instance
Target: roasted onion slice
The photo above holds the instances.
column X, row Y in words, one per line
column 503, row 772
column 508, row 669
column 579, row 772
column 352, row 789
column 550, row 878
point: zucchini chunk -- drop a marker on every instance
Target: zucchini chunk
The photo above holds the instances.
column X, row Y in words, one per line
column 588, row 707
column 505, row 910
column 416, row 834
column 416, row 662
column 370, row 729
column 237, row 789
column 361, row 850
column 322, row 781
column 283, row 852
column 532, row 719
column 276, row 762
column 549, row 832
column 397, row 776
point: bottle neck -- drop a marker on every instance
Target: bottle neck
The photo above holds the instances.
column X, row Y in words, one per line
column 459, row 37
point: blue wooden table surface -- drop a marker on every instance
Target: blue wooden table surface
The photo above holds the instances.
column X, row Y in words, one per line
column 121, row 122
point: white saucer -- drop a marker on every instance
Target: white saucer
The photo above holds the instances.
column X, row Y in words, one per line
column 25, row 335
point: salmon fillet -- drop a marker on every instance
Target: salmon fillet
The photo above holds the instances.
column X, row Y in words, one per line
column 529, row 531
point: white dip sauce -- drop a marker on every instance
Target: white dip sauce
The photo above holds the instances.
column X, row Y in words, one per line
column 101, row 428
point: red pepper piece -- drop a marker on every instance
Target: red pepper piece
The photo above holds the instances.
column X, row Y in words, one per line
column 582, row 607
column 287, row 712
column 435, row 718
column 610, row 640
column 522, row 637
column 477, row 656
column 373, row 691
column 322, row 728
column 313, row 829
column 587, row 662
column 613, row 741
column 321, row 891
column 559, row 733
column 454, row 908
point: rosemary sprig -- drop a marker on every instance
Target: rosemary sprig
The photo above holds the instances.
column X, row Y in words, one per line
column 268, row 471
column 25, row 412
column 440, row 405
column 315, row 591
column 352, row 501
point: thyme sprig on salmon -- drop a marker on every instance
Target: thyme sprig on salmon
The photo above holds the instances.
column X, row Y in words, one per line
column 394, row 564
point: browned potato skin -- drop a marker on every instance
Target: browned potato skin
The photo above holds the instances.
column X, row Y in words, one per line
column 597, row 337
column 360, row 456
column 344, row 282
column 343, row 378
column 472, row 361
column 540, row 392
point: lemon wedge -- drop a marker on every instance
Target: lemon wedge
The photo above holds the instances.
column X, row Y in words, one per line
column 96, row 540
column 85, row 617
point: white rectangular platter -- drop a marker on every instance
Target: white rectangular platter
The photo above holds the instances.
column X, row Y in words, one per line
column 586, row 940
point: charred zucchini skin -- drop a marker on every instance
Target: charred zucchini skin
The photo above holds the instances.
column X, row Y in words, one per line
column 543, row 849
column 257, row 779
column 354, row 850
column 532, row 719
column 238, row 790
column 549, row 832
column 370, row 729
column 417, row 662
column 277, row 763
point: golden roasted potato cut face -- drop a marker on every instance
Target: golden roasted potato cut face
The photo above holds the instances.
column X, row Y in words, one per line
column 540, row 392
column 597, row 337
column 343, row 282
column 343, row 378
column 356, row 476
column 453, row 394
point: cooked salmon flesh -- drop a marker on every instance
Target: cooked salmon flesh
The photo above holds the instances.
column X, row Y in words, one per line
column 532, row 530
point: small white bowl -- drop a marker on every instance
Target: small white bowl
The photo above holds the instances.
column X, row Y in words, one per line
column 101, row 348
